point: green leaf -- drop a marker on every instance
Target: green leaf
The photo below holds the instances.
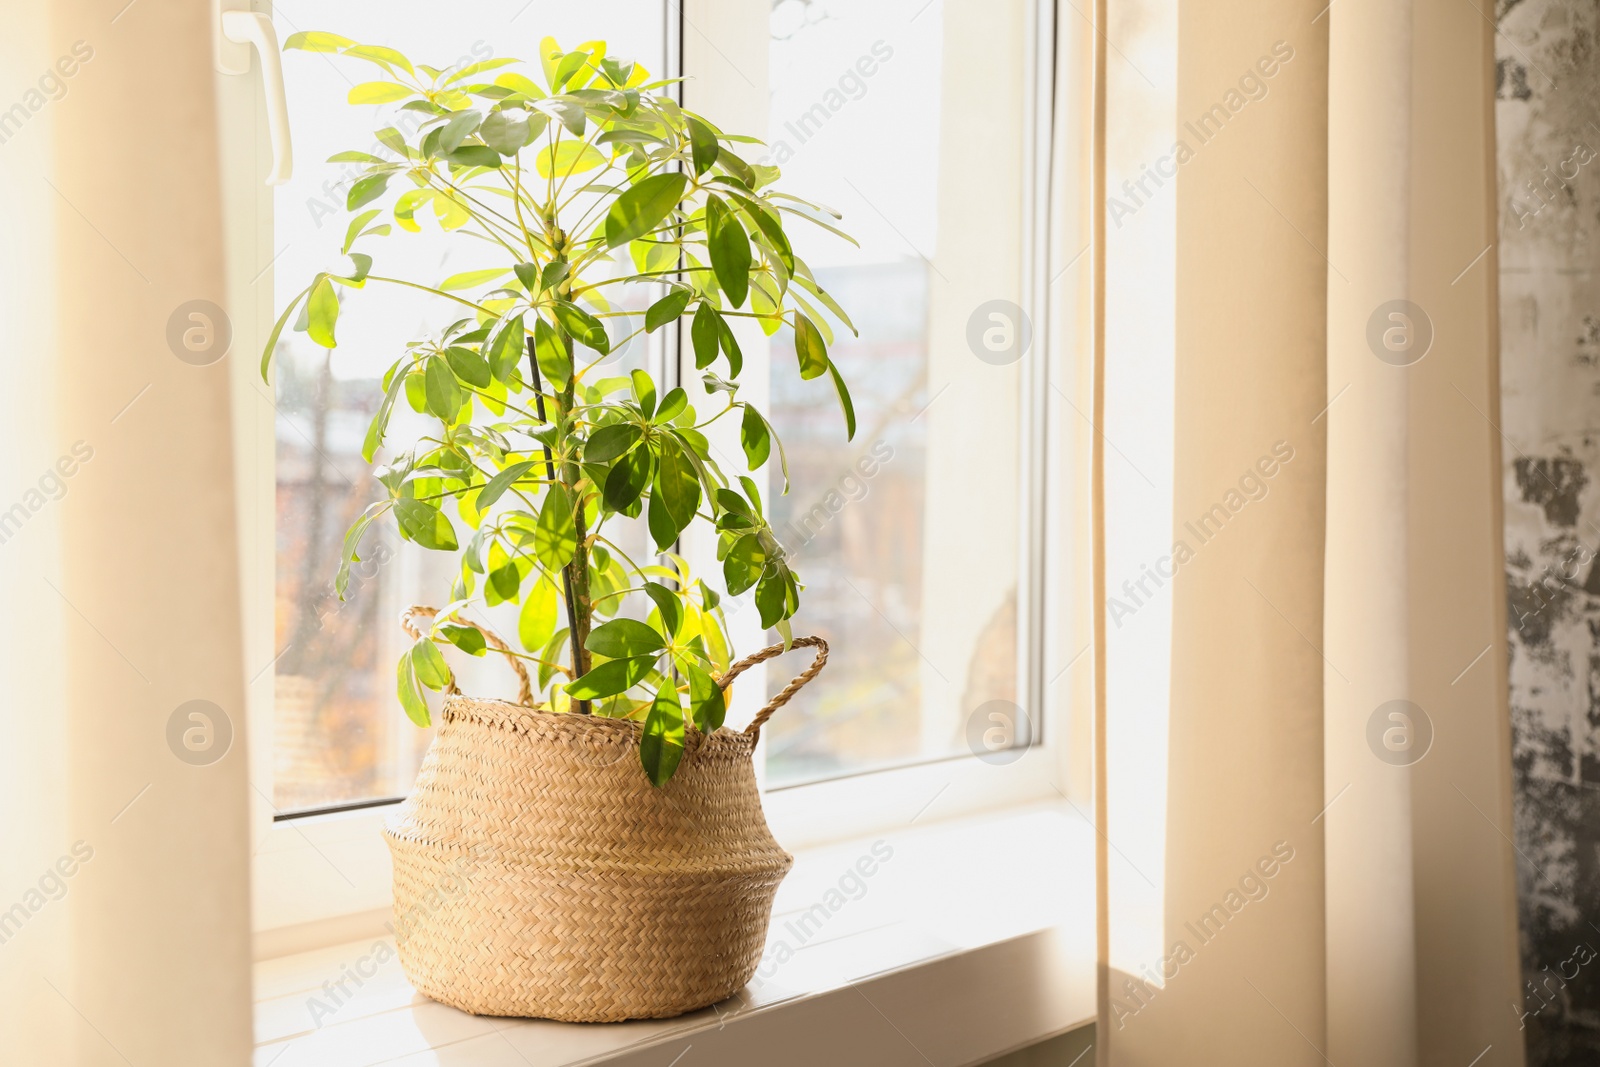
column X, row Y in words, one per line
column 316, row 41
column 349, row 551
column 468, row 639
column 607, row 386
column 752, row 492
column 730, row 500
column 554, row 273
column 393, row 140
column 416, row 395
column 808, row 346
column 844, row 401
column 667, row 309
column 363, row 266
column 458, row 128
column 706, row 703
column 379, row 93
column 411, row 700
column 742, row 568
column 609, row 442
column 551, row 656
column 537, row 622
column 322, row 313
column 553, row 354
column 672, row 405
column 755, row 437
column 555, row 536
column 569, row 111
column 622, row 638
column 405, row 208
column 643, row 206
column 501, row 482
column 566, row 158
column 450, row 210
column 770, row 598
column 365, row 190
column 828, row 301
column 505, row 347
column 677, row 484
column 582, row 326
column 661, row 744
column 730, row 250
column 507, row 133
column 771, row 229
column 627, row 480
column 612, row 677
column 824, row 223
column 477, row 68
column 668, row 604
column 384, row 57
column 736, row 166
column 730, row 346
column 380, row 422
column 471, row 279
column 644, row 391
column 425, row 524
column 505, row 577
column 356, row 224
column 428, row 663
column 703, row 334
column 443, row 393
column 570, row 64
column 717, row 383
column 704, row 146
column 473, row 155
column 277, row 331
column 663, row 530
column 469, row 366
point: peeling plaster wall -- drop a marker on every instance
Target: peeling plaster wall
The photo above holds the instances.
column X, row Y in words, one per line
column 1548, row 130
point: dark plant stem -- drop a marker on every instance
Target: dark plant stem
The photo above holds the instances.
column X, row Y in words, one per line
column 581, row 611
column 574, row 609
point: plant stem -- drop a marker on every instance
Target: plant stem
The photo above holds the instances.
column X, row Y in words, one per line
column 579, row 661
column 580, row 611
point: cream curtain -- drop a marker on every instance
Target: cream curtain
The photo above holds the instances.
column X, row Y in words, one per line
column 124, row 912
column 1297, row 870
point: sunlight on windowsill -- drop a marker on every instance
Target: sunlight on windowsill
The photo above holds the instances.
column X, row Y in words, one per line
column 996, row 906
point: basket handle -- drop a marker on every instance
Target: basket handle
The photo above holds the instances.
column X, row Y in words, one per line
column 490, row 638
column 788, row 691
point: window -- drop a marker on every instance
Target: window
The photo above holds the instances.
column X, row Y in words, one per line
column 908, row 537
column 920, row 542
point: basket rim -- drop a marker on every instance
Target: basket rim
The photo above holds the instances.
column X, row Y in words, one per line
column 504, row 714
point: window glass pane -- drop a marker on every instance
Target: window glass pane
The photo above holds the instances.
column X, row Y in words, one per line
column 339, row 734
column 895, row 113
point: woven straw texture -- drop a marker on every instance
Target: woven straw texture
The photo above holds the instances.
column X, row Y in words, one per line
column 537, row 872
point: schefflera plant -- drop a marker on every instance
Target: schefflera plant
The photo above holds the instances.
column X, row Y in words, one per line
column 584, row 188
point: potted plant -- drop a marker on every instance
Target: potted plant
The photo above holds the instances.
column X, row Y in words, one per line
column 596, row 850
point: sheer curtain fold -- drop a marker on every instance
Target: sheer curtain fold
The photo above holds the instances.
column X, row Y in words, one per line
column 1337, row 883
column 35, row 831
column 130, row 942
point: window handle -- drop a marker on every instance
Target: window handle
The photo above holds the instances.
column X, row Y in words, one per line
column 237, row 31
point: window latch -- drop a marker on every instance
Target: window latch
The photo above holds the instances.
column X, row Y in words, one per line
column 237, row 30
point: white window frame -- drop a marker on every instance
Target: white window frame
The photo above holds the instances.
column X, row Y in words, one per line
column 325, row 878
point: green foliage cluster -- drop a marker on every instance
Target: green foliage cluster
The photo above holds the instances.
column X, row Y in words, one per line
column 584, row 186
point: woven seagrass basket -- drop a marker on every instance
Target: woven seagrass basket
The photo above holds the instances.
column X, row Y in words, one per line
column 537, row 872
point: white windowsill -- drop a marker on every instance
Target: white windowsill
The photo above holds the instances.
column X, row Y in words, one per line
column 975, row 938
